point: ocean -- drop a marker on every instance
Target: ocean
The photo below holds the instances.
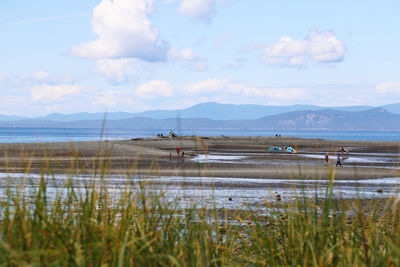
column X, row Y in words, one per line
column 30, row 135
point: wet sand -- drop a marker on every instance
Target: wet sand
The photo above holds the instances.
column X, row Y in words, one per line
column 245, row 157
column 222, row 193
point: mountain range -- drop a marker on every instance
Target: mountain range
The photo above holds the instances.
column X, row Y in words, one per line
column 210, row 110
column 323, row 119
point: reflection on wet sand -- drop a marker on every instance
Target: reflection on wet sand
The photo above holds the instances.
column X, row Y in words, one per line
column 229, row 193
column 353, row 159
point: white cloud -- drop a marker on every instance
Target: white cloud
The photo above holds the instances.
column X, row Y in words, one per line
column 388, row 87
column 117, row 71
column 2, row 78
column 220, row 90
column 198, row 9
column 53, row 93
column 107, row 98
column 237, row 90
column 188, row 57
column 44, row 99
column 199, row 65
column 124, row 30
column 43, row 77
column 207, row 86
column 228, row 91
column 184, row 54
column 317, row 46
column 264, row 92
column 154, row 89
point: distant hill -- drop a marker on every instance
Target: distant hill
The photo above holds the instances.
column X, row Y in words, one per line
column 372, row 119
column 393, row 108
column 10, row 118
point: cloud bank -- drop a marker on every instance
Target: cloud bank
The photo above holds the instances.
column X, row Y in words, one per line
column 53, row 93
column 388, row 87
column 215, row 88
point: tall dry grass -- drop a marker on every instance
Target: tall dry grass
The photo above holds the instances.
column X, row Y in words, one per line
column 90, row 226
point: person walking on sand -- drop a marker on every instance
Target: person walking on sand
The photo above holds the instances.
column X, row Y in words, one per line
column 327, row 159
column 338, row 160
column 343, row 150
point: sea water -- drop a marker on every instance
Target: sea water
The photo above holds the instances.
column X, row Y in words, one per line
column 36, row 134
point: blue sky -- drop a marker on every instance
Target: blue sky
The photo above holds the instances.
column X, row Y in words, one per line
column 134, row 55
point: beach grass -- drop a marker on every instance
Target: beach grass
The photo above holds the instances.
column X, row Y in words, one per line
column 91, row 226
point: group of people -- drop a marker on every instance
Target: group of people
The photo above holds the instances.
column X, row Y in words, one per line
column 181, row 156
column 171, row 135
column 339, row 157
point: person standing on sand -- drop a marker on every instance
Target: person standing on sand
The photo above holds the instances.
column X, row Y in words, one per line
column 327, row 159
column 338, row 160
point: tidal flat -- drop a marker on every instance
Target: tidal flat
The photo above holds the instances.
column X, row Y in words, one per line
column 231, row 172
column 220, row 201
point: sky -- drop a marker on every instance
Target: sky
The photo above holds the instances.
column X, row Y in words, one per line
column 135, row 55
